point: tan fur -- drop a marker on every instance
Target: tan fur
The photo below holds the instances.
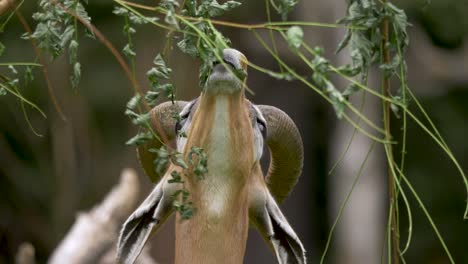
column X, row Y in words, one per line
column 217, row 232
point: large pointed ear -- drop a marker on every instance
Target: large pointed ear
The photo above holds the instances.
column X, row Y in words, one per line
column 276, row 230
column 163, row 124
column 288, row 247
column 150, row 215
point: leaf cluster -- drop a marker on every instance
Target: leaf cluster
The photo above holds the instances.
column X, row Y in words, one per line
column 56, row 31
column 198, row 165
column 198, row 37
column 128, row 29
column 365, row 43
column 159, row 72
column 321, row 70
column 284, row 7
column 198, row 160
column 182, row 204
column 158, row 76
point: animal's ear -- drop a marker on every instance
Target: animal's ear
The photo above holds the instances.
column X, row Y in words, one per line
column 288, row 247
column 150, row 215
column 278, row 232
column 162, row 121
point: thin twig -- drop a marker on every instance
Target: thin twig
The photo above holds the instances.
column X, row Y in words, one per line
column 269, row 25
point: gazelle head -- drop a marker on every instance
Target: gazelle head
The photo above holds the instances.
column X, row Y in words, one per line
column 228, row 75
column 232, row 130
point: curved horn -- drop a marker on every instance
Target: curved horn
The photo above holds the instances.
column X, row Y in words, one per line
column 162, row 120
column 286, row 152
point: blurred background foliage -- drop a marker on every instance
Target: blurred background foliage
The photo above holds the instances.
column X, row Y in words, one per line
column 45, row 181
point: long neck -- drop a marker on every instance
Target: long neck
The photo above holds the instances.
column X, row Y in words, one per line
column 217, row 232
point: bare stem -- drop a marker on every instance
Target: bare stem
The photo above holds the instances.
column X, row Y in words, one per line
column 386, row 112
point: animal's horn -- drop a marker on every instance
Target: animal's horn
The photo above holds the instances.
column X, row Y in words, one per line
column 286, row 152
column 162, row 121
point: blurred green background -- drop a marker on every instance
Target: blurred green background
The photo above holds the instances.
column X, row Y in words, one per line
column 45, row 181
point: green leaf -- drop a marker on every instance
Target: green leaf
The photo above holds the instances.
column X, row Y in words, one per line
column 337, row 99
column 188, row 46
column 350, row 90
column 390, row 68
column 131, row 114
column 12, row 69
column 138, row 119
column 76, row 76
column 73, row 51
column 142, row 119
column 2, row 91
column 89, row 34
column 171, row 19
column 151, row 97
column 170, row 6
column 28, row 75
column 281, row 76
column 185, row 195
column 344, row 42
column 140, row 139
column 133, row 102
column 67, row 35
column 295, row 37
column 401, row 23
column 120, row 11
column 348, row 70
column 285, row 7
column 200, row 163
column 127, row 29
column 176, row 178
column 160, row 71
column 128, row 51
column 162, row 161
column 81, row 11
column 160, row 63
column 190, row 8
column 167, row 89
column 396, row 110
column 186, row 211
column 179, row 161
column 209, row 9
column 13, row 82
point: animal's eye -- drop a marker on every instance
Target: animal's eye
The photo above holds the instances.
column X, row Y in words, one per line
column 262, row 126
column 178, row 126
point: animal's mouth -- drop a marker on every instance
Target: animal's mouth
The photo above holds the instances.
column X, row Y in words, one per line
column 216, row 63
column 229, row 68
column 227, row 75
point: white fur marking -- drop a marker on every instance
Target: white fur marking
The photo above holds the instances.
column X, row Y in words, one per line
column 218, row 153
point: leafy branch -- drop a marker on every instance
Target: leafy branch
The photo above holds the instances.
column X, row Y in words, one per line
column 375, row 35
